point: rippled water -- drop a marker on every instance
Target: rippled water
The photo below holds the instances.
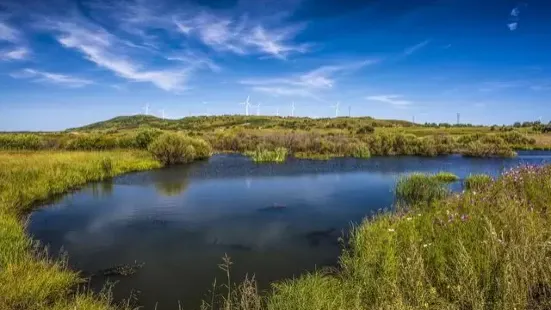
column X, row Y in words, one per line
column 274, row 220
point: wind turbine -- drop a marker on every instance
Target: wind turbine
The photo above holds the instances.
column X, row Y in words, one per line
column 247, row 104
column 162, row 113
column 336, row 109
column 258, row 109
column 146, row 109
column 293, row 108
column 277, row 112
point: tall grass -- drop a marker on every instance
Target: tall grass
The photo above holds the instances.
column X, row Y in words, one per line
column 477, row 182
column 264, row 155
column 28, row 279
column 420, row 188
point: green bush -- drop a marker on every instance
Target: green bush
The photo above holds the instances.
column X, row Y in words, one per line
column 360, row 150
column 419, row 188
column 367, row 129
column 477, row 182
column 479, row 149
column 175, row 148
column 145, row 136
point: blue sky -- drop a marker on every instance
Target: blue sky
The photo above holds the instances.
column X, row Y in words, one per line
column 69, row 63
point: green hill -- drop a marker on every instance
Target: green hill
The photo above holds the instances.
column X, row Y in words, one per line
column 228, row 121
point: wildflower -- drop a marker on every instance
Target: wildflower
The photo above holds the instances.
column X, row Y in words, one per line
column 409, row 218
column 391, row 229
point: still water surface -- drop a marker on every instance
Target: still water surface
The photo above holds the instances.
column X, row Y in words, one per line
column 274, row 220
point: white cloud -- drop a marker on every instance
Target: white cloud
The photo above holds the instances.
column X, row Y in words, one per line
column 412, row 49
column 515, row 12
column 240, row 35
column 285, row 91
column 8, row 33
column 108, row 52
column 18, row 53
column 320, row 78
column 48, row 77
column 395, row 100
column 196, row 59
column 513, row 26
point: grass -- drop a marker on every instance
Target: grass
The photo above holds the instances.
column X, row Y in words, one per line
column 477, row 182
column 418, row 188
column 446, row 177
column 28, row 279
column 476, row 250
column 261, row 155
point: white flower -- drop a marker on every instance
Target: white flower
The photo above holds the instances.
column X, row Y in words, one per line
column 409, row 219
column 391, row 229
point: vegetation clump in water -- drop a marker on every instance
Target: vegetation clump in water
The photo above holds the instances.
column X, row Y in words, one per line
column 419, row 188
column 261, row 154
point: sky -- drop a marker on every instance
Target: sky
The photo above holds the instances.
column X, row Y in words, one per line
column 68, row 63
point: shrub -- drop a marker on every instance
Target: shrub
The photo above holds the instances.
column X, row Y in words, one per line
column 365, row 130
column 145, row 137
column 477, row 182
column 175, row 148
column 479, row 149
column 516, row 138
column 420, row 188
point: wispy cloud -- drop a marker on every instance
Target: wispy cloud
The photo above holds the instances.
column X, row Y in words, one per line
column 305, row 84
column 196, row 59
column 241, row 35
column 53, row 78
column 414, row 48
column 514, row 17
column 395, row 100
column 108, row 51
column 500, row 85
column 18, row 53
column 8, row 33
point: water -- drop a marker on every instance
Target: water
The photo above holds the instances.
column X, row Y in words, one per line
column 275, row 220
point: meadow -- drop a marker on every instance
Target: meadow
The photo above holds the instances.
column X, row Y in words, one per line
column 486, row 248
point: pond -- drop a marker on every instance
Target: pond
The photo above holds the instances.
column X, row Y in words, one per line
column 274, row 220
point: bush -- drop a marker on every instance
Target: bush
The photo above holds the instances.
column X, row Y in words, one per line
column 145, row 137
column 479, row 149
column 516, row 138
column 360, row 150
column 477, row 182
column 175, row 148
column 419, row 188
column 365, row 130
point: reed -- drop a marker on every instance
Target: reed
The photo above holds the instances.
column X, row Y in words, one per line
column 261, row 155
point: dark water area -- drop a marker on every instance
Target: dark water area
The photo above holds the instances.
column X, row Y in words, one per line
column 276, row 221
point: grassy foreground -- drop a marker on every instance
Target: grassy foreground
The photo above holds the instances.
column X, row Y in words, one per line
column 28, row 279
column 483, row 249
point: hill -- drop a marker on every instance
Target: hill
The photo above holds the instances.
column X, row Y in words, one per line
column 206, row 123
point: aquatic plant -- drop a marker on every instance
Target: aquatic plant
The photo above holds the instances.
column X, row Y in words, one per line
column 480, row 149
column 265, row 155
column 446, row 177
column 175, row 148
column 477, row 182
column 419, row 188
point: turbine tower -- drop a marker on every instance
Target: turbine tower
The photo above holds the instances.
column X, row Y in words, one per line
column 162, row 113
column 258, row 109
column 336, row 109
column 247, row 104
column 146, row 109
column 206, row 109
column 293, row 108
column 277, row 111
